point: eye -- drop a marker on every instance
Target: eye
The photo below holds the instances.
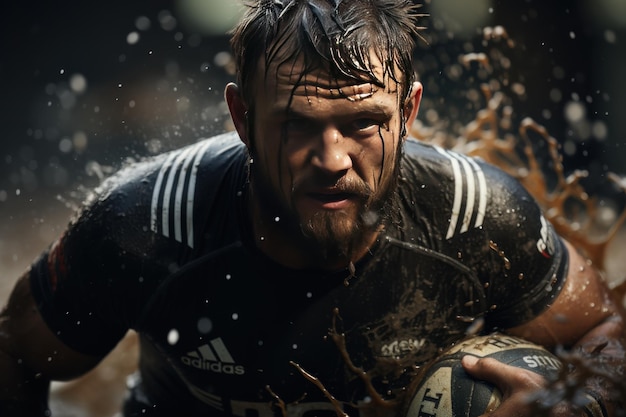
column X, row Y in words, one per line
column 364, row 124
column 298, row 124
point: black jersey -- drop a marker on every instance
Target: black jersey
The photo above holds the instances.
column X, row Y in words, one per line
column 164, row 248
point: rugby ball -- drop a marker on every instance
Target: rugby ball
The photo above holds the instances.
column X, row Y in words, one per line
column 446, row 390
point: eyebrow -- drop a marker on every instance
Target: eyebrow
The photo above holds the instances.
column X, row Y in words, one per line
column 367, row 109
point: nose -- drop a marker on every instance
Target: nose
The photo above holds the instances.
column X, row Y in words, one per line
column 332, row 154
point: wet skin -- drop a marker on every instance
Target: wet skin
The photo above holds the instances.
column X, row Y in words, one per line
column 325, row 152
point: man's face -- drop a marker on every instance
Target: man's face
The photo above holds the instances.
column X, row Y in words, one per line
column 325, row 153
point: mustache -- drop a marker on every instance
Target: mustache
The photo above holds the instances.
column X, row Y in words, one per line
column 345, row 185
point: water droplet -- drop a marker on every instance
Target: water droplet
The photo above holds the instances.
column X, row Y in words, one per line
column 205, row 325
column 65, row 145
column 172, row 337
column 132, row 38
column 142, row 23
column 78, row 83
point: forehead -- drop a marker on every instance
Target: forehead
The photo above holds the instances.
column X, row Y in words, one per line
column 293, row 79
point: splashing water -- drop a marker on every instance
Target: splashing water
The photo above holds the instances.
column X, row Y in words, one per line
column 567, row 204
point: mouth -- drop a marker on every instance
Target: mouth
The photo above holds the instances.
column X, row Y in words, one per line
column 332, row 200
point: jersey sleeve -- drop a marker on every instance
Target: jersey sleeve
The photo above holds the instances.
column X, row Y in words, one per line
column 139, row 228
column 479, row 215
column 89, row 283
column 527, row 261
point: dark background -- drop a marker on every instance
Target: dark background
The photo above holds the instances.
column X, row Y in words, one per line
column 44, row 43
column 58, row 139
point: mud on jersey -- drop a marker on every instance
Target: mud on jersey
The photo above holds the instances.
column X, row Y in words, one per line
column 163, row 248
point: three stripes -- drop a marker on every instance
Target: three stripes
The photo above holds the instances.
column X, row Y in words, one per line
column 470, row 190
column 174, row 192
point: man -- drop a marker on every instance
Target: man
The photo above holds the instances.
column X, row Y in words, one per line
column 308, row 264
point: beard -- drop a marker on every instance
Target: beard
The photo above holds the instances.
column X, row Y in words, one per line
column 330, row 235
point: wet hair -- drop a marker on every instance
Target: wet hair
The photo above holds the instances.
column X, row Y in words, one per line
column 338, row 36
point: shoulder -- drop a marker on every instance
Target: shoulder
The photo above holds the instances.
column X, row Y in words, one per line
column 469, row 203
column 451, row 165
column 485, row 217
column 157, row 197
column 134, row 231
column 461, row 192
column 205, row 157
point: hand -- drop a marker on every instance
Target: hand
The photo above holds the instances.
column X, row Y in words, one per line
column 518, row 387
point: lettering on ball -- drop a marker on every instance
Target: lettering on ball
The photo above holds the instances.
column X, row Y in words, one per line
column 541, row 361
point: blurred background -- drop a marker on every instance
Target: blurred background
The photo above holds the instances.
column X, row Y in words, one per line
column 89, row 86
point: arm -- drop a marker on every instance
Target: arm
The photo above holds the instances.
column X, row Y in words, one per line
column 584, row 317
column 31, row 355
column 584, row 313
column 81, row 296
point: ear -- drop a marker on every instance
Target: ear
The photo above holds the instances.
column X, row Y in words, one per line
column 238, row 110
column 412, row 104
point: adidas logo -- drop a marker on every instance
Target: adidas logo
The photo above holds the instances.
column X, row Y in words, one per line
column 213, row 357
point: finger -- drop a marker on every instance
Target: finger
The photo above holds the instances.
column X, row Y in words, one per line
column 506, row 377
column 511, row 409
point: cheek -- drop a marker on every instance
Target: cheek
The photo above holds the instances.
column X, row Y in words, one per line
column 392, row 155
column 265, row 156
column 387, row 172
column 294, row 157
column 274, row 164
column 381, row 158
column 280, row 165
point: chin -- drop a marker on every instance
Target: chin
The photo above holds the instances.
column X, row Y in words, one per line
column 335, row 233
